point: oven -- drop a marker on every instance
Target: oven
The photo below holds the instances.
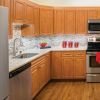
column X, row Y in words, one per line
column 94, row 26
column 92, row 66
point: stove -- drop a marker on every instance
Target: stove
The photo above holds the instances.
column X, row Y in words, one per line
column 93, row 67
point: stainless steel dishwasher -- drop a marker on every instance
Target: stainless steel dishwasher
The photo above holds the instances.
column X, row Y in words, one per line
column 21, row 83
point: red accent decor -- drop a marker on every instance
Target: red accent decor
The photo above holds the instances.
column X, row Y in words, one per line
column 98, row 57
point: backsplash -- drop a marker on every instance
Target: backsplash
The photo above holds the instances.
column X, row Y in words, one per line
column 53, row 41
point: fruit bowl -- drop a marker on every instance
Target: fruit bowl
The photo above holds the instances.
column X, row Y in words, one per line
column 43, row 45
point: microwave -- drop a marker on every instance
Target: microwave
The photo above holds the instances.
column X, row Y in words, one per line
column 94, row 26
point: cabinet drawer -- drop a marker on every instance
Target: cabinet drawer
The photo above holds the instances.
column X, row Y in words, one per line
column 79, row 53
column 68, row 54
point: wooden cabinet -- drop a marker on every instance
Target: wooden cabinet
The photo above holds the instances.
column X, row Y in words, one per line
column 67, row 65
column 92, row 13
column 35, row 80
column 40, row 73
column 48, row 66
column 56, row 65
column 19, row 11
column 46, row 20
column 36, row 20
column 1, row 2
column 59, row 20
column 70, row 21
column 29, row 12
column 81, row 21
column 80, row 65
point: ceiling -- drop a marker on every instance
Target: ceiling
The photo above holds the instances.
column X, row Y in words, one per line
column 68, row 2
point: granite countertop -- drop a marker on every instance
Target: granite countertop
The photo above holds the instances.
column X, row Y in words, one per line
column 15, row 63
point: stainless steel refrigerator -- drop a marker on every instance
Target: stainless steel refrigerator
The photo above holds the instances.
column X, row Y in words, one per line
column 4, row 67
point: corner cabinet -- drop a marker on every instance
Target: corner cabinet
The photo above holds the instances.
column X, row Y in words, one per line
column 46, row 20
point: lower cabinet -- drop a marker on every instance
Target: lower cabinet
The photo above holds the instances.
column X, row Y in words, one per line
column 56, row 65
column 68, row 65
column 40, row 73
column 35, row 81
column 80, row 65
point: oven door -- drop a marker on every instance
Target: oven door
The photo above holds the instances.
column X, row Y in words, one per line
column 92, row 65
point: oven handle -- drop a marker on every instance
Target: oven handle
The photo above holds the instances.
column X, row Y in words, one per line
column 91, row 53
column 94, row 75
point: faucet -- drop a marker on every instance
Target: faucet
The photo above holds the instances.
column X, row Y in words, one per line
column 15, row 48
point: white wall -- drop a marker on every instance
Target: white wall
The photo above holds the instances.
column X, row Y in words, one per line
column 68, row 2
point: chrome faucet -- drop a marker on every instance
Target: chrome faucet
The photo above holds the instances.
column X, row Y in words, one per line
column 15, row 48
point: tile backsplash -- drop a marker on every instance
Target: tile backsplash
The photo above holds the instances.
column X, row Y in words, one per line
column 53, row 40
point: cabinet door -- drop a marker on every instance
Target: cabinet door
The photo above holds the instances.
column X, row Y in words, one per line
column 92, row 13
column 69, row 21
column 80, row 68
column 35, row 82
column 29, row 13
column 80, row 65
column 68, row 67
column 46, row 20
column 19, row 11
column 36, row 20
column 56, row 67
column 48, row 67
column 58, row 20
column 1, row 2
column 81, row 21
column 42, row 74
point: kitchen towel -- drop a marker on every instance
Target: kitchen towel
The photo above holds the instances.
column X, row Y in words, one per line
column 98, row 57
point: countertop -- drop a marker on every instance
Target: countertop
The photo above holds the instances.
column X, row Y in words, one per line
column 15, row 63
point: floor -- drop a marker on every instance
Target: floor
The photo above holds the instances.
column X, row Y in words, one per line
column 70, row 91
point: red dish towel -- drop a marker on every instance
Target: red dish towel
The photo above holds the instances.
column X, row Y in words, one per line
column 98, row 57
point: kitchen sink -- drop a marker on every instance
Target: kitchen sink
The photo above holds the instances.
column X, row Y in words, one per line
column 26, row 55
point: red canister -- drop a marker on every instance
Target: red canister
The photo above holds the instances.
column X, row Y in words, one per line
column 64, row 44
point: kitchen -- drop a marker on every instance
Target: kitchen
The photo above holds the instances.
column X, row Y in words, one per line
column 53, row 50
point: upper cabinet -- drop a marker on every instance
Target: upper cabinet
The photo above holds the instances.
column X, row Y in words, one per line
column 36, row 20
column 81, row 21
column 1, row 2
column 59, row 19
column 19, row 11
column 46, row 20
column 92, row 13
column 70, row 21
column 29, row 12
column 23, row 12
